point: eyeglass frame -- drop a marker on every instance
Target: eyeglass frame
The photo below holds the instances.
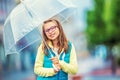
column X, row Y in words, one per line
column 53, row 28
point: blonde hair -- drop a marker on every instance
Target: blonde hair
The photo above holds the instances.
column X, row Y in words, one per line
column 62, row 40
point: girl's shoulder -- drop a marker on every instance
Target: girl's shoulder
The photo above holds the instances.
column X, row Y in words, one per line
column 70, row 43
column 40, row 45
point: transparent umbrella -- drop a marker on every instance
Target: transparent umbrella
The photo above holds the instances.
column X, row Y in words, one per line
column 21, row 28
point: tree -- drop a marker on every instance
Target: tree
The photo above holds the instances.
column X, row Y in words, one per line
column 104, row 25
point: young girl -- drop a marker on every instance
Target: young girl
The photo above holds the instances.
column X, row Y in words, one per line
column 58, row 59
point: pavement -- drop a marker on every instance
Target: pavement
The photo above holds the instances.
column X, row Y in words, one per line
column 20, row 75
column 88, row 70
column 101, row 74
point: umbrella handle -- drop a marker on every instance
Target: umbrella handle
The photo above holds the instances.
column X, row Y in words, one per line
column 49, row 51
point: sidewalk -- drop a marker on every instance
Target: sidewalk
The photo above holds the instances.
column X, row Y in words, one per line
column 28, row 75
column 95, row 69
column 89, row 69
column 101, row 74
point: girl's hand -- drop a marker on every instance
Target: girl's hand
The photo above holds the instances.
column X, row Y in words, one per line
column 56, row 64
column 55, row 60
column 56, row 67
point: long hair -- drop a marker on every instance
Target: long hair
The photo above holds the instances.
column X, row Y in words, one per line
column 62, row 40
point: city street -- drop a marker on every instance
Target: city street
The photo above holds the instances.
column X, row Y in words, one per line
column 102, row 73
column 92, row 26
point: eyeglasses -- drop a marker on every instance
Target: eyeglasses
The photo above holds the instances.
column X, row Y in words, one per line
column 51, row 28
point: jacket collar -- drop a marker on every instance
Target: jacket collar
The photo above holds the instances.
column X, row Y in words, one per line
column 51, row 45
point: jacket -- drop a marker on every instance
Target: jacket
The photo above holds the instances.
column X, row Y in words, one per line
column 44, row 69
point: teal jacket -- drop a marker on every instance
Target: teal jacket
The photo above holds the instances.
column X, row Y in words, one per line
column 67, row 65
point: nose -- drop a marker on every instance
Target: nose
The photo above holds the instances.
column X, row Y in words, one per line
column 50, row 31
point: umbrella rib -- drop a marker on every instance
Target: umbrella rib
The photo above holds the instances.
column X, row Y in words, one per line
column 30, row 14
column 29, row 44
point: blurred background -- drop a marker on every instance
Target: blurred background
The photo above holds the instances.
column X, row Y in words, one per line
column 93, row 29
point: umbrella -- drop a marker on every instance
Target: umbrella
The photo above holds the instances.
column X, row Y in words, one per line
column 25, row 19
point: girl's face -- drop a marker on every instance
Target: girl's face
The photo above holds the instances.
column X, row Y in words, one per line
column 51, row 30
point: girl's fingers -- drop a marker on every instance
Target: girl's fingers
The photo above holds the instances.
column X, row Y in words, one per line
column 58, row 66
column 55, row 62
column 53, row 58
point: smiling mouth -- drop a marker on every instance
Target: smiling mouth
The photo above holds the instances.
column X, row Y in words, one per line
column 52, row 35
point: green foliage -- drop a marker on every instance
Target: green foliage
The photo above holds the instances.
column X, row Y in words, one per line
column 104, row 22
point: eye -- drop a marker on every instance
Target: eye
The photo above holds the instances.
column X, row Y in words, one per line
column 53, row 28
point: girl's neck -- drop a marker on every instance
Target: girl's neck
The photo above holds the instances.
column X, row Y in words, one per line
column 55, row 43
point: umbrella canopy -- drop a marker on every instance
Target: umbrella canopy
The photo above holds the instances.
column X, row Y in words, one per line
column 25, row 19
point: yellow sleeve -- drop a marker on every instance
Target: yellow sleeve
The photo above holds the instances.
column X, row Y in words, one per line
column 38, row 67
column 72, row 66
